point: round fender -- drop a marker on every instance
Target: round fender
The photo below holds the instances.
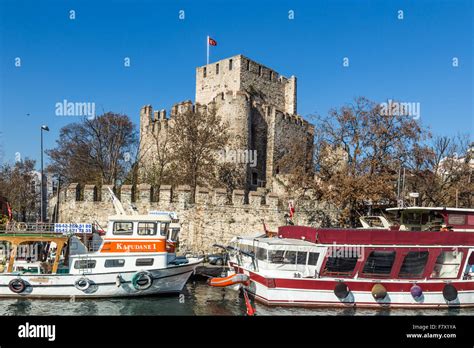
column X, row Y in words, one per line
column 416, row 291
column 379, row 292
column 341, row 290
column 82, row 284
column 17, row 286
column 450, row 293
column 142, row 280
column 118, row 281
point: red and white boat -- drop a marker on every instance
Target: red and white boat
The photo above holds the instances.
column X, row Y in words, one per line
column 424, row 261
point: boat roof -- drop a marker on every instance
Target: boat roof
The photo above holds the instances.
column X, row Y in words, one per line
column 144, row 218
column 466, row 210
column 281, row 243
column 346, row 236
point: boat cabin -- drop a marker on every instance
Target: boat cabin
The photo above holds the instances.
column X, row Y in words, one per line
column 434, row 218
column 297, row 258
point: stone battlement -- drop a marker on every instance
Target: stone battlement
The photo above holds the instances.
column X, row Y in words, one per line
column 145, row 193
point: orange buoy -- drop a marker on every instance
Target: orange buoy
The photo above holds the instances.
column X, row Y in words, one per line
column 233, row 279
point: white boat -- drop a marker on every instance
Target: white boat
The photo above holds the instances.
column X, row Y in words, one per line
column 136, row 257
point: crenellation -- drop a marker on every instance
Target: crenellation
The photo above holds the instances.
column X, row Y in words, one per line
column 183, row 195
column 144, row 193
column 238, row 197
column 255, row 199
column 220, row 196
column 202, row 224
column 202, row 196
column 165, row 194
column 90, row 193
column 272, row 200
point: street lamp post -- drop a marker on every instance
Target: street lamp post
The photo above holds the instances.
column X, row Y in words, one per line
column 46, row 128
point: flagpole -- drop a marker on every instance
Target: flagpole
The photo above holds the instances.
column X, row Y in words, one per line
column 207, row 44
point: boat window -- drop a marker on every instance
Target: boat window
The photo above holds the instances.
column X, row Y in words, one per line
column 163, row 229
column 379, row 263
column 114, row 263
column 146, row 228
column 313, row 259
column 447, row 264
column 83, row 264
column 470, row 220
column 123, row 228
column 414, row 264
column 262, row 254
column 456, row 219
column 301, row 257
column 340, row 265
column 282, row 256
column 144, row 262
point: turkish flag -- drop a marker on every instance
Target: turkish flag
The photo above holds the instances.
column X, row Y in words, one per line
column 212, row 42
column 291, row 208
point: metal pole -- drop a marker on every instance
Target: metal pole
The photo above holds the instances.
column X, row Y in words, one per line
column 207, row 45
column 42, row 177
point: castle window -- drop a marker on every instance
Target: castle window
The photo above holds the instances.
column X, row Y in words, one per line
column 217, row 69
column 254, row 178
column 205, row 72
column 271, row 75
column 230, row 64
column 248, row 65
column 259, row 70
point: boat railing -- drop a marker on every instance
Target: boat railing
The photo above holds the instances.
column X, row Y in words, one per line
column 28, row 228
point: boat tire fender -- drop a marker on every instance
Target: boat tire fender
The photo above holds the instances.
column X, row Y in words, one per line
column 142, row 280
column 17, row 285
column 379, row 292
column 341, row 290
column 450, row 293
column 82, row 284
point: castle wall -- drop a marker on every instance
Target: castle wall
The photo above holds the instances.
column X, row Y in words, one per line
column 210, row 220
column 248, row 76
column 209, row 83
column 259, row 106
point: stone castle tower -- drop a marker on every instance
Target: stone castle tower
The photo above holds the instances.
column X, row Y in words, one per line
column 260, row 107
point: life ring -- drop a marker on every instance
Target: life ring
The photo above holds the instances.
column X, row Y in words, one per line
column 142, row 280
column 341, row 290
column 450, row 293
column 83, row 284
column 17, row 285
column 379, row 292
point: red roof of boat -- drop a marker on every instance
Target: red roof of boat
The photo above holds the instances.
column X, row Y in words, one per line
column 375, row 236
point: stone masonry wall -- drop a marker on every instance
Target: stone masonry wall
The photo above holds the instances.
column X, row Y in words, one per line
column 208, row 221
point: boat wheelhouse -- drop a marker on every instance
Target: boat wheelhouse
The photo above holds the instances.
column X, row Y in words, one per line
column 434, row 218
column 136, row 257
column 370, row 267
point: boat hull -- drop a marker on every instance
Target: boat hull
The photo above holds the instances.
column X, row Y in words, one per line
column 103, row 285
column 319, row 292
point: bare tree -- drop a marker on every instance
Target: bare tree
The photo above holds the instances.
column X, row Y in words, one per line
column 441, row 172
column 357, row 153
column 19, row 184
column 196, row 135
column 158, row 168
column 98, row 150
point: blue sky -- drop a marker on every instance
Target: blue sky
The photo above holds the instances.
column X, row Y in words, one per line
column 82, row 59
